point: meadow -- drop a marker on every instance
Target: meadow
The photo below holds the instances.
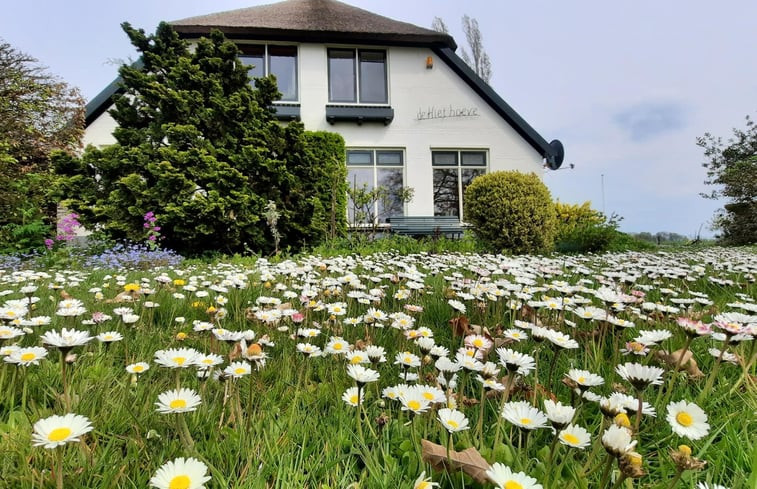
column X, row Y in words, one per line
column 421, row 370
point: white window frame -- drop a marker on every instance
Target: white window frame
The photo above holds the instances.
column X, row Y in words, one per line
column 267, row 68
column 375, row 167
column 356, row 66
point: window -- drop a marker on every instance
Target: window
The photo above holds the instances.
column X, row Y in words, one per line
column 280, row 61
column 453, row 172
column 357, row 76
column 371, row 168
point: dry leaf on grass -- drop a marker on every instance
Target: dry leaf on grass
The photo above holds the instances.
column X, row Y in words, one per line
column 688, row 363
column 469, row 460
column 460, row 326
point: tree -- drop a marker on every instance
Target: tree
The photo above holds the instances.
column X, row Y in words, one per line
column 201, row 148
column 477, row 59
column 39, row 114
column 732, row 169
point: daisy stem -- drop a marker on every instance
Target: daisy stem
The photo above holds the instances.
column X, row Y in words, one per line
column 675, row 480
column 608, row 470
column 248, row 409
column 713, row 374
column 177, row 376
column 505, row 396
column 639, row 410
column 552, row 368
column 184, row 433
column 359, row 415
column 746, row 367
column 66, row 398
column 679, row 362
column 480, row 424
column 449, row 442
column 59, row 467
column 619, row 483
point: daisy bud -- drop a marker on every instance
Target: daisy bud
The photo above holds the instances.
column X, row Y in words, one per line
column 181, row 336
column 71, row 358
column 630, row 465
column 685, row 449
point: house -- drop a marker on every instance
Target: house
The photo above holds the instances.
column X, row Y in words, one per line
column 411, row 111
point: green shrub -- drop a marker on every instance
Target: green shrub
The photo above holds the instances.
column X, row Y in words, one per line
column 511, row 211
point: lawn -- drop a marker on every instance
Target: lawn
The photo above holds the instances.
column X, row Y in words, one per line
column 384, row 371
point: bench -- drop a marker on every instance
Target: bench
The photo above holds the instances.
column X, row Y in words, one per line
column 449, row 226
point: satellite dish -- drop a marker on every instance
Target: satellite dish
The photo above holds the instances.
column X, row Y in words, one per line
column 555, row 159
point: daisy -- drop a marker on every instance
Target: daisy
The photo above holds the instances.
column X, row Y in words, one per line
column 8, row 332
column 181, row 473
column 424, row 483
column 26, row 356
column 559, row 415
column 336, row 346
column 138, row 368
column 574, row 436
column 515, row 361
column 617, row 440
column 584, row 379
column 375, row 354
column 209, row 360
column 357, row 356
column 362, row 375
column 523, row 415
column 412, row 399
column 640, row 376
column 178, row 401
column 705, row 485
column 177, row 357
column 237, row 370
column 109, row 337
column 57, row 430
column 66, row 339
column 407, row 360
column 309, row 350
column 687, row 420
column 504, row 478
column 453, row 420
column 353, row 397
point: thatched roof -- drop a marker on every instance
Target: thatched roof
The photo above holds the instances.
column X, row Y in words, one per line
column 313, row 21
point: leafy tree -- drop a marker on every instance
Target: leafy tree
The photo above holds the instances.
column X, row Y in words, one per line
column 732, row 169
column 477, row 59
column 201, row 148
column 39, row 114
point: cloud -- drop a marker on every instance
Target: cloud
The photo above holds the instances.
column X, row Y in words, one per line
column 648, row 120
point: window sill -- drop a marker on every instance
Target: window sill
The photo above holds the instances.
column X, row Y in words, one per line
column 287, row 111
column 359, row 114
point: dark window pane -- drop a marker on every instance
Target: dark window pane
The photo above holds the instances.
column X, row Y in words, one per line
column 341, row 75
column 446, row 197
column 373, row 77
column 282, row 62
column 357, row 157
column 473, row 158
column 444, row 158
column 392, row 158
column 391, row 205
column 255, row 63
column 468, row 174
column 359, row 178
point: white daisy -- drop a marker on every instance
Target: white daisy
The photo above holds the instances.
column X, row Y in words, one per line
column 687, row 420
column 574, row 436
column 181, row 473
column 505, row 478
column 452, row 420
column 57, row 430
column 523, row 415
column 178, row 401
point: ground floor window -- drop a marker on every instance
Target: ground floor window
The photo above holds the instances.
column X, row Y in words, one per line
column 369, row 170
column 453, row 172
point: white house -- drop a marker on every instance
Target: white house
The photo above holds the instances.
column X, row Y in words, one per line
column 411, row 111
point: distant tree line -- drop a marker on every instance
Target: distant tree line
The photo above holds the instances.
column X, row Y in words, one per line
column 662, row 237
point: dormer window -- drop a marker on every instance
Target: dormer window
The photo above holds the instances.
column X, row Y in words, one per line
column 357, row 76
column 280, row 61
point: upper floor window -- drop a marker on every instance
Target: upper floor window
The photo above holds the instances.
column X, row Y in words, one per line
column 357, row 76
column 453, row 171
column 280, row 61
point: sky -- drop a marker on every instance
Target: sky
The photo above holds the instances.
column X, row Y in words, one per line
column 627, row 86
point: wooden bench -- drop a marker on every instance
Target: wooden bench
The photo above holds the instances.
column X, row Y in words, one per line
column 449, row 226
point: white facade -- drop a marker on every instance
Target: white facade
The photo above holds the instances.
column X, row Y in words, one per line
column 434, row 109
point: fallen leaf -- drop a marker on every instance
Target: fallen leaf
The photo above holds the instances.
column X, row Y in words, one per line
column 687, row 363
column 460, row 326
column 469, row 460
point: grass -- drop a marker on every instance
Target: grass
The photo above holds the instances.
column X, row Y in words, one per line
column 297, row 432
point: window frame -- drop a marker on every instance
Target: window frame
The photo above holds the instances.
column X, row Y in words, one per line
column 357, row 75
column 375, row 166
column 459, row 166
column 267, row 65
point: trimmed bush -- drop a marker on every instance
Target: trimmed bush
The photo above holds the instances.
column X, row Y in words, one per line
column 511, row 211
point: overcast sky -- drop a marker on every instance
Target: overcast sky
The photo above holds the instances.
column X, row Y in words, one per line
column 627, row 86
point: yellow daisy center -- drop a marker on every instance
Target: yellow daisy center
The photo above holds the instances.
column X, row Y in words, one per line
column 581, row 380
column 179, row 360
column 356, row 359
column 428, row 395
column 453, row 423
column 178, row 403
column 5, row 332
column 337, row 346
column 570, row 438
column 512, row 485
column 408, row 359
column 239, row 370
column 207, row 361
column 353, row 399
column 179, row 482
column 414, row 405
column 684, row 419
column 525, row 420
column 138, row 368
column 59, row 434
column 27, row 357
column 423, row 485
column 478, row 343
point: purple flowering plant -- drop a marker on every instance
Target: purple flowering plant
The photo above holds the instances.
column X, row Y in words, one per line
column 67, row 228
column 153, row 230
